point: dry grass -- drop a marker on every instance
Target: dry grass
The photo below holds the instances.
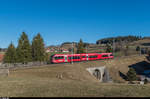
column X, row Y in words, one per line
column 136, row 43
column 75, row 82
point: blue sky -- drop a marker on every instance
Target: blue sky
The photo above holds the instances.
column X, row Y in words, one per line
column 59, row 21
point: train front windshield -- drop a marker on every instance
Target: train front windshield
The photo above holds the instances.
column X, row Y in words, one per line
column 51, row 58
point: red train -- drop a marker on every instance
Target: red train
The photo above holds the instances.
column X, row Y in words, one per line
column 65, row 58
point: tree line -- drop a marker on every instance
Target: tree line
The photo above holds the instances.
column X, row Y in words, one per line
column 3, row 49
column 110, row 40
column 81, row 47
column 26, row 52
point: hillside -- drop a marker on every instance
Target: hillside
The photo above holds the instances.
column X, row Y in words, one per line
column 143, row 42
column 119, row 39
column 76, row 81
column 119, row 45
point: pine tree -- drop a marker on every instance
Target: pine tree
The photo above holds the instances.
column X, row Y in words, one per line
column 10, row 56
column 47, row 58
column 24, row 49
column 131, row 75
column 38, row 49
column 80, row 48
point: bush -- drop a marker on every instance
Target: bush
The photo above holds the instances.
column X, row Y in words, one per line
column 131, row 75
column 137, row 48
column 145, row 81
column 130, row 82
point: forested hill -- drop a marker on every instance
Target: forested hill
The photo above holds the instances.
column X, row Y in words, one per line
column 110, row 40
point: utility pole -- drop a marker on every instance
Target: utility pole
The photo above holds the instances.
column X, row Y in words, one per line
column 140, row 50
column 86, row 49
column 72, row 54
column 113, row 46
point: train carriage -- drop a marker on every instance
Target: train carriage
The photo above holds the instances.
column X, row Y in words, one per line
column 59, row 58
column 74, row 57
column 107, row 56
column 93, row 56
column 65, row 58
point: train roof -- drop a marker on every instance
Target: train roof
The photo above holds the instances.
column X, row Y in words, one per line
column 77, row 54
column 105, row 53
column 80, row 54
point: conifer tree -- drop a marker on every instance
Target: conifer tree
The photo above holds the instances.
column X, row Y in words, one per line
column 131, row 75
column 80, row 48
column 38, row 49
column 10, row 55
column 24, row 49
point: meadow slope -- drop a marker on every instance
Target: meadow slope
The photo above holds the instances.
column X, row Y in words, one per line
column 75, row 82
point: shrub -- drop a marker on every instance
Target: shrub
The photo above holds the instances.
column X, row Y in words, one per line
column 137, row 48
column 131, row 75
column 145, row 81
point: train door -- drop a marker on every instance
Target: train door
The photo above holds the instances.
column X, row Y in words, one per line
column 87, row 57
column 66, row 60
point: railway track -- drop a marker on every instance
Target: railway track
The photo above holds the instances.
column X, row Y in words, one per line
column 50, row 65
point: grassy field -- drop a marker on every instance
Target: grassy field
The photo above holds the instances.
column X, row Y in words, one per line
column 2, row 52
column 60, row 88
column 75, row 82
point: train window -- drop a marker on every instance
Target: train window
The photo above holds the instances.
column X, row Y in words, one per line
column 111, row 54
column 95, row 56
column 105, row 56
column 56, row 58
column 76, row 57
column 83, row 56
column 62, row 57
column 92, row 56
column 59, row 57
column 69, row 57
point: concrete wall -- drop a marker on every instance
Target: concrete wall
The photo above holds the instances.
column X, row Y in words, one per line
column 104, row 73
column 101, row 69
